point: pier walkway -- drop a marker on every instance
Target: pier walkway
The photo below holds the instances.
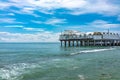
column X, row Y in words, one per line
column 76, row 38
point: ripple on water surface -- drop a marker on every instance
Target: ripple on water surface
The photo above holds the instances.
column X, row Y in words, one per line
column 57, row 63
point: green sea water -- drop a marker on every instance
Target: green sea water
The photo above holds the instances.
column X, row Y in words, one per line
column 49, row 61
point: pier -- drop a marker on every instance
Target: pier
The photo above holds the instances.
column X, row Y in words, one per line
column 70, row 38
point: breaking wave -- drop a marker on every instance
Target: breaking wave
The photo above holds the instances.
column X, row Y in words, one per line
column 12, row 72
column 94, row 50
column 81, row 77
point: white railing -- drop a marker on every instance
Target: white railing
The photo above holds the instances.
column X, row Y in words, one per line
column 105, row 36
column 73, row 37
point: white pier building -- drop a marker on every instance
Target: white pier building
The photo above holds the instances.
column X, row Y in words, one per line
column 77, row 38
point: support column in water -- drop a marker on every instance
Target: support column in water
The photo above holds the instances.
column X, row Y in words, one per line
column 88, row 43
column 69, row 43
column 65, row 43
column 77, row 43
column 61, row 43
column 101, row 43
column 73, row 43
column 83, row 43
column 94, row 42
column 117, row 42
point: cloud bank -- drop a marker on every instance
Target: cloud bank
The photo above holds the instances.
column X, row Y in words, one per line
column 75, row 7
column 37, row 37
column 42, row 20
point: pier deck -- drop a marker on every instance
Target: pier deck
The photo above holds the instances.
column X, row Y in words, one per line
column 71, row 38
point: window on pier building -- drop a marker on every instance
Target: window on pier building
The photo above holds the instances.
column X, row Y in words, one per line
column 84, row 35
column 90, row 34
column 80, row 35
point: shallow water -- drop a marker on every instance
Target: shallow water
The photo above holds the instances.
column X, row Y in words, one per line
column 49, row 61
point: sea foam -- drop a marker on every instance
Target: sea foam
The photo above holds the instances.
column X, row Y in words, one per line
column 89, row 51
column 11, row 72
column 81, row 77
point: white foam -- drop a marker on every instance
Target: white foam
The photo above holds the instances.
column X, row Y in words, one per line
column 81, row 77
column 75, row 67
column 94, row 50
column 56, row 60
column 11, row 72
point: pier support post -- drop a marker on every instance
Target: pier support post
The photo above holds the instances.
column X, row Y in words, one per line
column 83, row 43
column 61, row 43
column 110, row 42
column 80, row 43
column 88, row 43
column 101, row 43
column 72, row 43
column 113, row 43
column 65, row 43
column 94, row 42
column 69, row 43
column 105, row 43
column 117, row 42
column 77, row 43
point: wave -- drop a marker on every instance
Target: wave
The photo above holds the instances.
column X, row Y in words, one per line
column 81, row 77
column 94, row 50
column 12, row 72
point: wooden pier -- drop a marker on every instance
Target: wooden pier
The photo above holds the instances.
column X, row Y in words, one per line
column 70, row 38
column 89, row 42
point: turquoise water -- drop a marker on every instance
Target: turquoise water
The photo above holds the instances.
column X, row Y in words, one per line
column 49, row 61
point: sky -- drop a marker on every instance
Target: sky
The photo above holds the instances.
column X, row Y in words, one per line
column 44, row 20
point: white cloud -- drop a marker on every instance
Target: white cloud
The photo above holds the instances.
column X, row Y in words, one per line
column 7, row 14
column 103, row 24
column 51, row 21
column 8, row 20
column 35, row 21
column 11, row 14
column 37, row 37
column 55, row 21
column 76, row 7
column 25, row 28
column 33, row 29
column 14, row 26
column 4, row 5
column 22, row 11
column 97, row 25
column 118, row 18
column 99, row 6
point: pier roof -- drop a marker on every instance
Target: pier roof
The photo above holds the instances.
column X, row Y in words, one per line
column 97, row 33
column 73, row 34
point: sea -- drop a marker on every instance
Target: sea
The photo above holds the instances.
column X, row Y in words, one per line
column 50, row 61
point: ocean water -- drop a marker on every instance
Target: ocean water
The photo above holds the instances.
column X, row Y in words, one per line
column 49, row 61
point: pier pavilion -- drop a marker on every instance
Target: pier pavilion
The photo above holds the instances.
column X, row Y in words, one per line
column 77, row 38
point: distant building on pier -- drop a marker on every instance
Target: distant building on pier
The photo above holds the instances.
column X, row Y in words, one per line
column 77, row 38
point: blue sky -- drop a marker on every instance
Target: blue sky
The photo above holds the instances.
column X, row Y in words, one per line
column 43, row 20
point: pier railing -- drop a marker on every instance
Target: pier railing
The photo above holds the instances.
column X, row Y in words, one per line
column 88, row 41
